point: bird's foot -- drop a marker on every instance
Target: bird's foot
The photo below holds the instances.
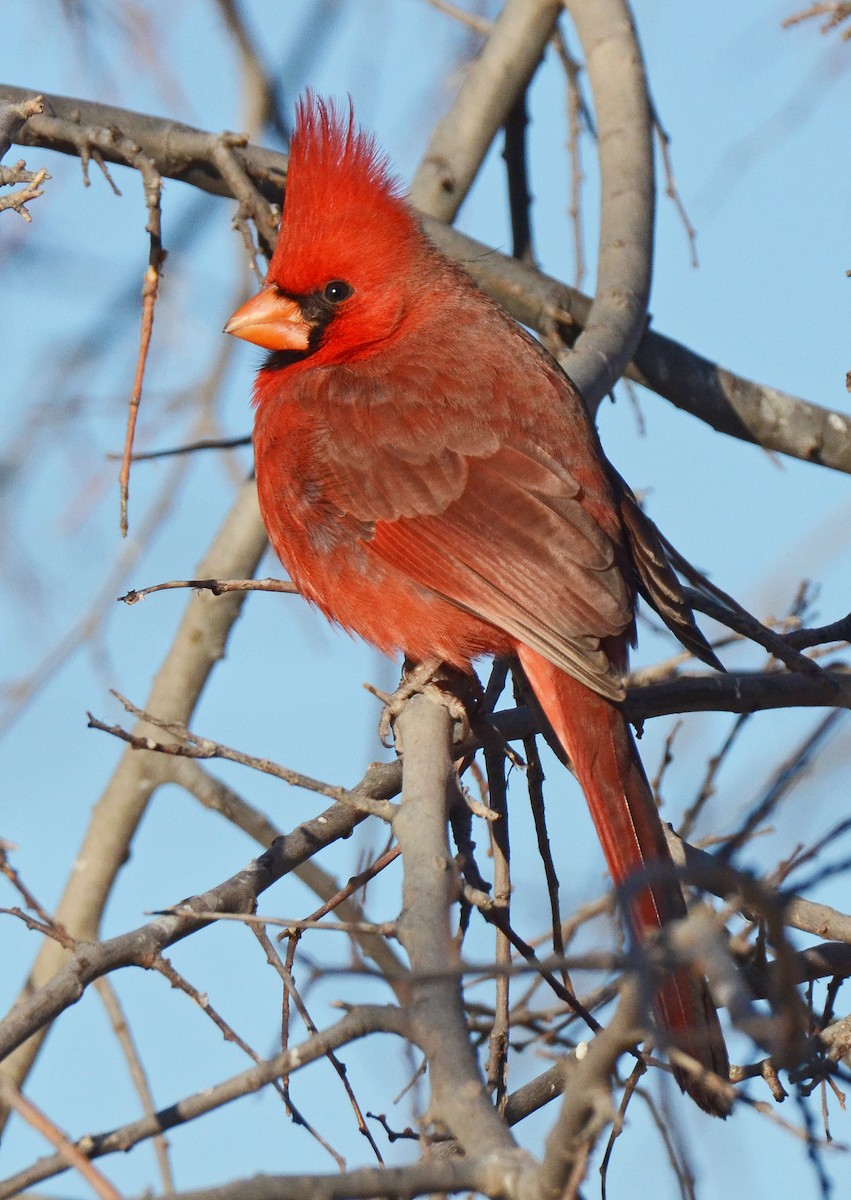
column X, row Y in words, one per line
column 456, row 690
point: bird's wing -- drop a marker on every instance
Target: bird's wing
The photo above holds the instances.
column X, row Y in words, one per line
column 521, row 551
column 498, row 527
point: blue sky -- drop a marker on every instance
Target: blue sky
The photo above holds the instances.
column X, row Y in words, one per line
column 758, row 118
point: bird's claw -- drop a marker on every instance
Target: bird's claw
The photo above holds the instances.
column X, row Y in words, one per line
column 443, row 684
column 391, row 709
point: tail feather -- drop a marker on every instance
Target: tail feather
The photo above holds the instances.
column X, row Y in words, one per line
column 598, row 741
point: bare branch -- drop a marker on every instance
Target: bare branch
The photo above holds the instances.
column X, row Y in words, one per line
column 437, row 1013
column 798, row 913
column 586, row 1108
column 215, row 795
column 124, row 1034
column 427, row 1177
column 618, row 315
column 356, row 1024
column 68, row 1153
column 197, row 647
column 190, row 745
column 153, row 185
column 14, row 114
column 728, row 402
column 218, row 587
column 73, row 126
column 142, row 946
column 671, row 190
column 19, row 200
column 836, row 12
column 189, row 448
column 458, row 145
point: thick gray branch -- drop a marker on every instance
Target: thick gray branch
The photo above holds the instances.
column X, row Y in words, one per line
column 627, row 197
column 429, row 889
column 738, row 692
column 493, row 81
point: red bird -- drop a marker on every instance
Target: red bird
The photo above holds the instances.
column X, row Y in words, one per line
column 431, row 480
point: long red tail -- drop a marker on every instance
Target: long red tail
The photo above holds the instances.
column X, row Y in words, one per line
column 597, row 739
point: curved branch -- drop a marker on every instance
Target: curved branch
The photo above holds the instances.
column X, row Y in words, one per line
column 493, row 81
column 627, row 197
column 738, row 692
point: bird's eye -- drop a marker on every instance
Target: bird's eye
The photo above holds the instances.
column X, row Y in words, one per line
column 337, row 291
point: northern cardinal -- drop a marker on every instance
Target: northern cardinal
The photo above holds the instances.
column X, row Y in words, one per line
column 431, row 481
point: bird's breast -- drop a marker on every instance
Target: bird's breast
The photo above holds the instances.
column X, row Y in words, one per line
column 328, row 555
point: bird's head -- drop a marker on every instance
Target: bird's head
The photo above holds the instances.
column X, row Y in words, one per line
column 346, row 262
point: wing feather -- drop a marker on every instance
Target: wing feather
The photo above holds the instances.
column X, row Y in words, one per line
column 479, row 513
column 503, row 553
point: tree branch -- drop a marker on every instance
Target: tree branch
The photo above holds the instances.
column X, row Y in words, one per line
column 730, row 403
column 586, row 1107
column 197, row 647
column 14, row 113
column 91, row 959
column 429, row 1177
column 618, row 314
column 363, row 1020
column 429, row 888
column 459, row 143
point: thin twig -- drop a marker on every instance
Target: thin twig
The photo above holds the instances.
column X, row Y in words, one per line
column 138, row 1074
column 191, row 745
column 189, row 448
column 219, row 587
column 287, row 924
column 519, row 198
column 497, row 1065
column 836, row 12
column 671, row 190
column 579, row 119
column 286, row 976
column 153, row 185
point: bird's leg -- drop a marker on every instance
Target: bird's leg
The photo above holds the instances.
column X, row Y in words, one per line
column 459, row 691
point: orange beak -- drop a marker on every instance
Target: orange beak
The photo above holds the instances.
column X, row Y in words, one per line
column 272, row 321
